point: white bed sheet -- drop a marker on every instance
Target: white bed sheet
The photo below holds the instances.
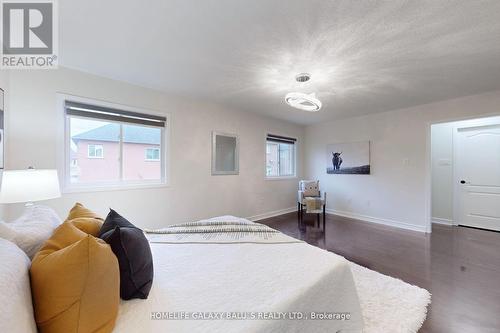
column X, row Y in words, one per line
column 245, row 280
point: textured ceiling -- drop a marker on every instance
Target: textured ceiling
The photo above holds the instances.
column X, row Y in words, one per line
column 364, row 56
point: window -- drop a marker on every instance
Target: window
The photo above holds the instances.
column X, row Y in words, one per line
column 95, row 151
column 134, row 144
column 280, row 156
column 152, row 154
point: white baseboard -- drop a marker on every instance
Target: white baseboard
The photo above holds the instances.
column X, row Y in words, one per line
column 271, row 214
column 388, row 222
column 439, row 220
column 366, row 218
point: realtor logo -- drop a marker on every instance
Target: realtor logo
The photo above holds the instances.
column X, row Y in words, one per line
column 29, row 39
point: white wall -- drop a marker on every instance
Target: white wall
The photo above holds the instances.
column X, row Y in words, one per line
column 443, row 182
column 398, row 190
column 442, row 172
column 4, row 84
column 34, row 137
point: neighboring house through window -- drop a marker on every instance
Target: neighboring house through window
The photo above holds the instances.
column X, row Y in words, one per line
column 95, row 151
column 112, row 147
column 280, row 156
column 152, row 154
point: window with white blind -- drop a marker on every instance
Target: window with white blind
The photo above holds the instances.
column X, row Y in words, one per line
column 280, row 156
column 112, row 147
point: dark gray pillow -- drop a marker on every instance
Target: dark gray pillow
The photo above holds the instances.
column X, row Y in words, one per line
column 134, row 255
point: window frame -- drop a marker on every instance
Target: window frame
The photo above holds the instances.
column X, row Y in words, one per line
column 95, row 150
column 294, row 160
column 64, row 150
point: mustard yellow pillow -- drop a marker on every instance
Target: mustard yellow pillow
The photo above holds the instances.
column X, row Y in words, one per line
column 75, row 281
column 85, row 219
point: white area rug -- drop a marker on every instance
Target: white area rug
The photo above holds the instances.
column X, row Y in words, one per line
column 389, row 305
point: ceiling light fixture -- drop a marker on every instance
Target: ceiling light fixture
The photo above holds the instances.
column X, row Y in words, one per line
column 306, row 102
column 302, row 101
column 302, row 77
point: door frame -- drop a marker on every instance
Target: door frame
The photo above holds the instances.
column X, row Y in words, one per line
column 428, row 163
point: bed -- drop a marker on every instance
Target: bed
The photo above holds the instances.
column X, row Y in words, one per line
column 250, row 279
column 228, row 274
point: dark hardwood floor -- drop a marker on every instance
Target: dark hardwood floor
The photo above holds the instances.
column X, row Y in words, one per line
column 459, row 266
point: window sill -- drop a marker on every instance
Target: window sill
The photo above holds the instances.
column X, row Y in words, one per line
column 281, row 178
column 109, row 188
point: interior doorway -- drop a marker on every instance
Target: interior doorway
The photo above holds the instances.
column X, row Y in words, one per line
column 465, row 173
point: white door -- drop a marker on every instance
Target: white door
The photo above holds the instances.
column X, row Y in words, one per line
column 478, row 177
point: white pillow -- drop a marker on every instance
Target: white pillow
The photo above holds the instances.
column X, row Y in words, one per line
column 310, row 188
column 16, row 307
column 32, row 229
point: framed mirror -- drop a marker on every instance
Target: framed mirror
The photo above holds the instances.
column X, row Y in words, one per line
column 225, row 159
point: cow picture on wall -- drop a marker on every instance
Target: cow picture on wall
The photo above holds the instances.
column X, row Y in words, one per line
column 348, row 158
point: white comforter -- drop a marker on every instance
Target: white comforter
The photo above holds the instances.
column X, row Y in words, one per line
column 263, row 287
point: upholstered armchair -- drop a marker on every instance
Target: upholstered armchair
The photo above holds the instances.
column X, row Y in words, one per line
column 309, row 197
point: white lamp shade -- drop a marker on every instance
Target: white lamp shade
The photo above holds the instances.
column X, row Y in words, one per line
column 29, row 185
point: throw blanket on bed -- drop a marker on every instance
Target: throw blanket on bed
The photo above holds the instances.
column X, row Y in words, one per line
column 313, row 205
column 218, row 231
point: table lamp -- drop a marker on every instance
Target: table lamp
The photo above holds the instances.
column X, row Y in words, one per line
column 29, row 185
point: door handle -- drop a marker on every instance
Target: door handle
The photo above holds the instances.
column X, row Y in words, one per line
column 463, row 182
